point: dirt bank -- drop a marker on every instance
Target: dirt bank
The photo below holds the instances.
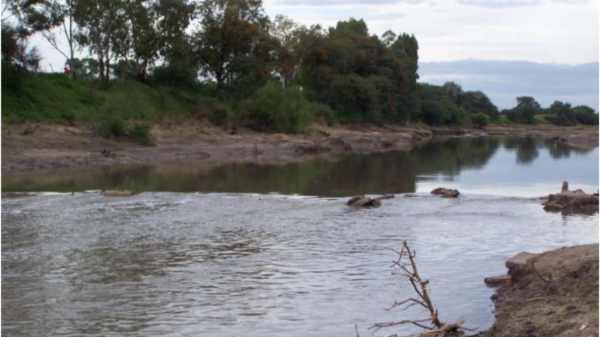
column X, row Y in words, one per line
column 51, row 146
column 556, row 297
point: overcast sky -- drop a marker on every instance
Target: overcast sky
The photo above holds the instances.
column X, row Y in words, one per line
column 548, row 34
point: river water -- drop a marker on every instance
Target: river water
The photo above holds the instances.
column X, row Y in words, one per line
column 252, row 249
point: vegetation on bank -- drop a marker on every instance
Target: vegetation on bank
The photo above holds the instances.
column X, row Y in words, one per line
column 238, row 68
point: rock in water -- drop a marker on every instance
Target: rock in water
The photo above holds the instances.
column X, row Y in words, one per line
column 355, row 199
column 362, row 201
column 571, row 201
column 451, row 194
column 441, row 190
column 118, row 193
column 446, row 193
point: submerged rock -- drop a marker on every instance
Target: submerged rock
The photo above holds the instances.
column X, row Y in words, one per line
column 362, row 201
column 446, row 193
column 571, row 201
column 118, row 193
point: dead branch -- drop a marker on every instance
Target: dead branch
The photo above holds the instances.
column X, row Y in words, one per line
column 409, row 271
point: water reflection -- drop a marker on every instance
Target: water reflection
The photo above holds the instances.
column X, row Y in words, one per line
column 327, row 175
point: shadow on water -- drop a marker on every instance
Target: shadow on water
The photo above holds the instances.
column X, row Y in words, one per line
column 327, row 175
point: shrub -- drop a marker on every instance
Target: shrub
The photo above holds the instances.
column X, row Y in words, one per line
column 281, row 110
column 216, row 111
column 113, row 127
column 141, row 132
column 433, row 112
column 480, row 120
column 175, row 76
column 325, row 113
column 585, row 115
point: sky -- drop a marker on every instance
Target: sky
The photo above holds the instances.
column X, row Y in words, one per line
column 506, row 48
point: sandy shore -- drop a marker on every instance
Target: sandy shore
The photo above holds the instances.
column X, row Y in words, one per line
column 51, row 146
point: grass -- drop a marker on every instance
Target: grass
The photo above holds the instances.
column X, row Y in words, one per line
column 58, row 99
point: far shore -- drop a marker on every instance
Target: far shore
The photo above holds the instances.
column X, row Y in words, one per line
column 27, row 147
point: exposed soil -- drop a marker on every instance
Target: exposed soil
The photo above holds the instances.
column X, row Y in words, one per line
column 51, row 146
column 560, row 299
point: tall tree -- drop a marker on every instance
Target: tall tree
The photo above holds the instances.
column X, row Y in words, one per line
column 54, row 19
column 288, row 35
column 233, row 45
column 102, row 23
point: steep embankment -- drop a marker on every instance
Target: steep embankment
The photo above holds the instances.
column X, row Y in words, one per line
column 557, row 296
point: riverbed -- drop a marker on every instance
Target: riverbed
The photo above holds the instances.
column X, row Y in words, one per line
column 270, row 249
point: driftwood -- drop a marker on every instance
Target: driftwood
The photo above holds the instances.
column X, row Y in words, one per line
column 362, row 201
column 435, row 327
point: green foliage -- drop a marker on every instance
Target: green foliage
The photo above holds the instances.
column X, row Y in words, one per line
column 585, row 115
column 480, row 120
column 58, row 98
column 176, row 76
column 116, row 127
column 437, row 108
column 562, row 114
column 216, row 111
column 112, row 127
column 477, row 101
column 281, row 110
column 325, row 113
column 360, row 76
column 141, row 132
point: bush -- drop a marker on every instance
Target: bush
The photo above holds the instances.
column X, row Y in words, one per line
column 113, row 127
column 141, row 132
column 585, row 115
column 325, row 113
column 480, row 120
column 176, row 76
column 281, row 110
column 216, row 111
column 433, row 113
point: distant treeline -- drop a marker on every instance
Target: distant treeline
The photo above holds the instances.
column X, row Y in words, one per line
column 236, row 66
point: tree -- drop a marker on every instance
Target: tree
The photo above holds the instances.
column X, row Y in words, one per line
column 288, row 35
column 479, row 120
column 102, row 27
column 453, row 92
column 562, row 114
column 585, row 115
column 528, row 101
column 477, row 101
column 54, row 19
column 233, row 45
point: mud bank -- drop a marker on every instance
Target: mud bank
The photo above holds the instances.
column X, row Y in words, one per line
column 557, row 296
column 51, row 146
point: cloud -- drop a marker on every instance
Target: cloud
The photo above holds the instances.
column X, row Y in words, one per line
column 312, row 3
column 503, row 81
column 515, row 3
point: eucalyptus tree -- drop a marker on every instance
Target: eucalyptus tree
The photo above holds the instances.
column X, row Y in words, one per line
column 288, row 35
column 233, row 45
column 101, row 26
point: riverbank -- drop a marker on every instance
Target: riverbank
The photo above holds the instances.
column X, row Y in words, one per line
column 556, row 297
column 52, row 146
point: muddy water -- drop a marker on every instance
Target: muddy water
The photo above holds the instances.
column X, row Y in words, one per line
column 166, row 263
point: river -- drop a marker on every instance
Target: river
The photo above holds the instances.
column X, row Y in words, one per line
column 254, row 249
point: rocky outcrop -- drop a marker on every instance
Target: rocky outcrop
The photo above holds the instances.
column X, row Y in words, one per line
column 446, row 193
column 571, row 201
column 362, row 201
